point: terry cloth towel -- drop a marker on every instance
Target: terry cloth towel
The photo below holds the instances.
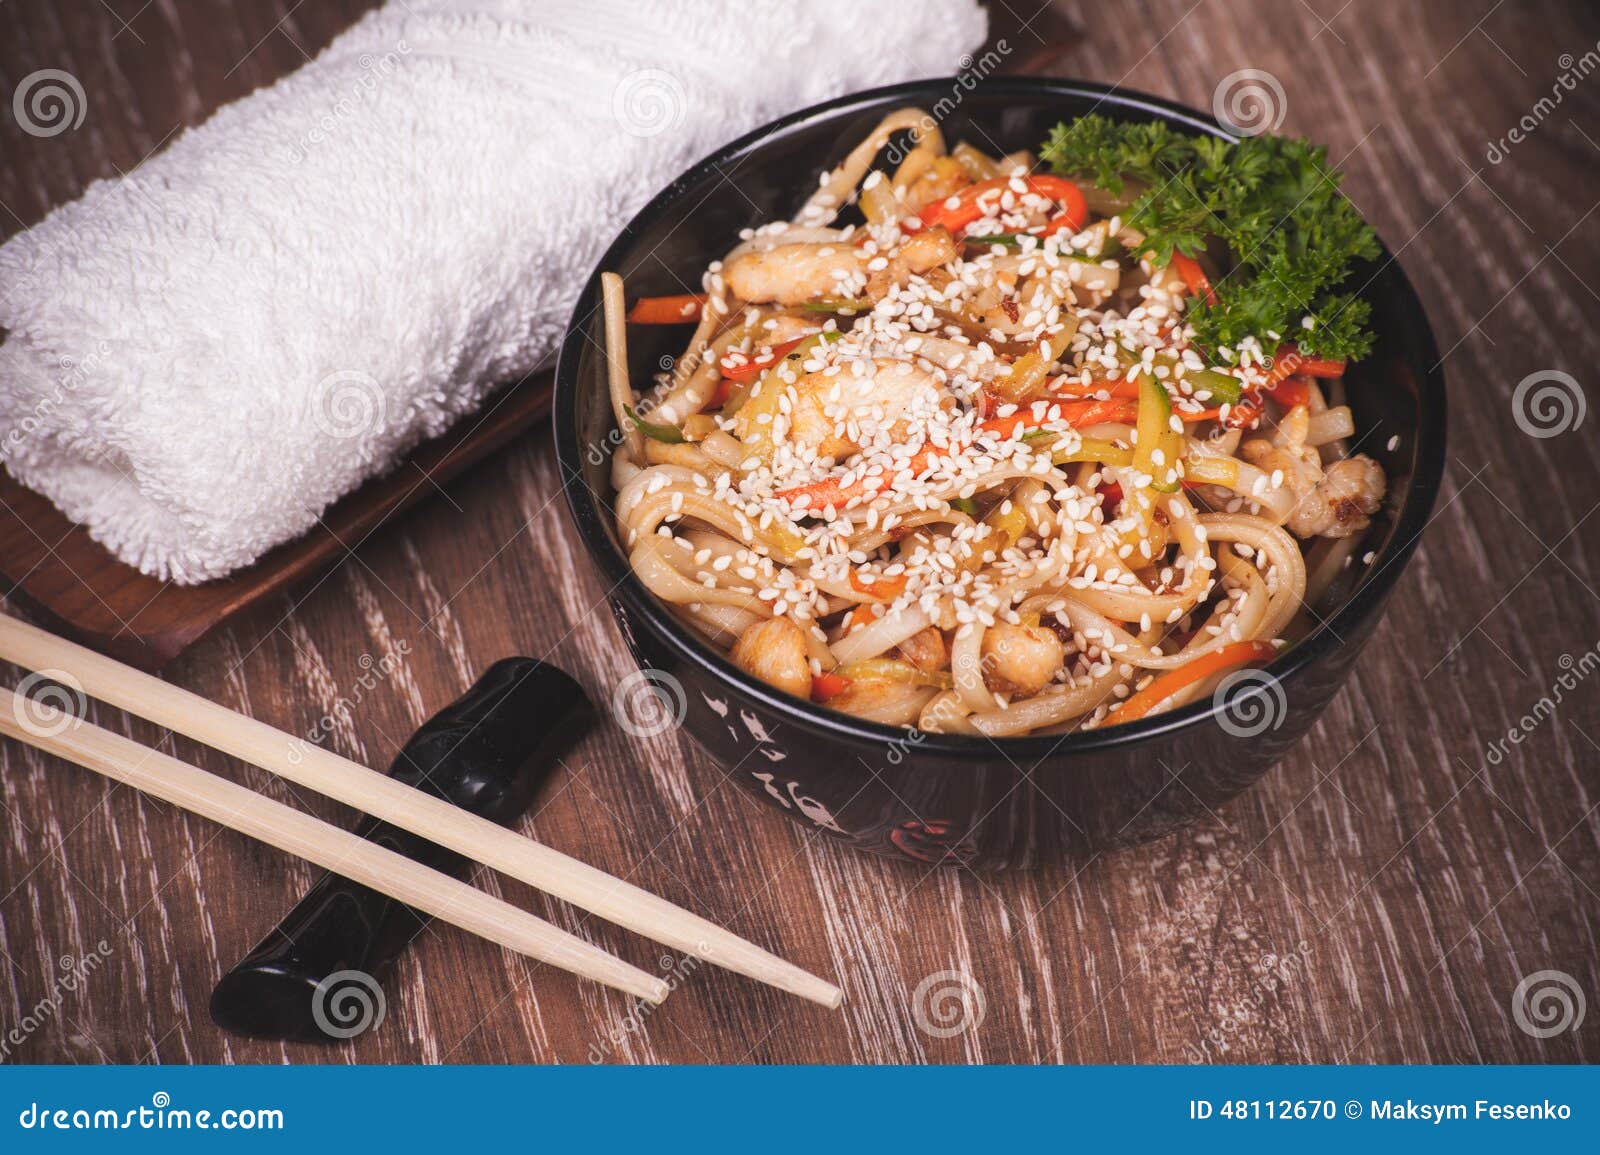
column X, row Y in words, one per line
column 205, row 354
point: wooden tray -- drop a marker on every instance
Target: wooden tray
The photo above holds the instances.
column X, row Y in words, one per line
column 52, row 567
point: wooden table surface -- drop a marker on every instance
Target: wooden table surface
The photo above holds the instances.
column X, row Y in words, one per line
column 1379, row 897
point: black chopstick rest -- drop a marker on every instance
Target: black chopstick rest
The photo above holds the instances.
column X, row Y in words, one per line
column 488, row 752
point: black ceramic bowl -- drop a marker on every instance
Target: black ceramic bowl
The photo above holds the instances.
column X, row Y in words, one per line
column 948, row 798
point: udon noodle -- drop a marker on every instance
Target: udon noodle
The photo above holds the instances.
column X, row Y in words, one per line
column 958, row 465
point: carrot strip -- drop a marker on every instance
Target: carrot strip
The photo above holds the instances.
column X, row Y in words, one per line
column 860, row 616
column 1168, row 684
column 1239, row 416
column 883, row 588
column 828, row 491
column 1069, row 387
column 1076, row 414
column 667, row 310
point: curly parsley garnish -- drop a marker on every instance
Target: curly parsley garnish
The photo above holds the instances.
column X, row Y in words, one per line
column 1273, row 201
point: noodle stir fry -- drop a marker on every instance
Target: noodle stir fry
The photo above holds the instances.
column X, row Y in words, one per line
column 963, row 464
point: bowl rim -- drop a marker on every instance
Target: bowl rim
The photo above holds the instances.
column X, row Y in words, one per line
column 588, row 510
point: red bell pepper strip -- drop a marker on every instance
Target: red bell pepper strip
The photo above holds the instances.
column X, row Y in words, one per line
column 825, row 686
column 1315, row 367
column 1290, row 392
column 753, row 366
column 1287, row 362
column 1194, row 277
column 967, row 208
column 667, row 310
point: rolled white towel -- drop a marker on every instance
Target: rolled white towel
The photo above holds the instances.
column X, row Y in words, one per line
column 202, row 356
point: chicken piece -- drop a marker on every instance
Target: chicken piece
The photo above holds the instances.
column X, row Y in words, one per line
column 838, row 413
column 1019, row 661
column 1301, row 467
column 1344, row 501
column 775, row 651
column 887, row 700
column 917, row 255
column 796, row 273
column 997, row 306
column 1335, row 503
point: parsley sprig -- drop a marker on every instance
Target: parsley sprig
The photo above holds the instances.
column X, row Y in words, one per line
column 1273, row 201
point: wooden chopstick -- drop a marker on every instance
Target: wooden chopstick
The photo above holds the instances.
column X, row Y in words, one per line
column 270, row 821
column 410, row 809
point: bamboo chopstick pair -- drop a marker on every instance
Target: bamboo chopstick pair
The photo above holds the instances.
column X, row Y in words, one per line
column 338, row 850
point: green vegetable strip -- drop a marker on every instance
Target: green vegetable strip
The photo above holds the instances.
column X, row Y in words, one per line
column 836, row 305
column 1155, row 432
column 670, row 434
column 1218, row 388
column 1095, row 449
